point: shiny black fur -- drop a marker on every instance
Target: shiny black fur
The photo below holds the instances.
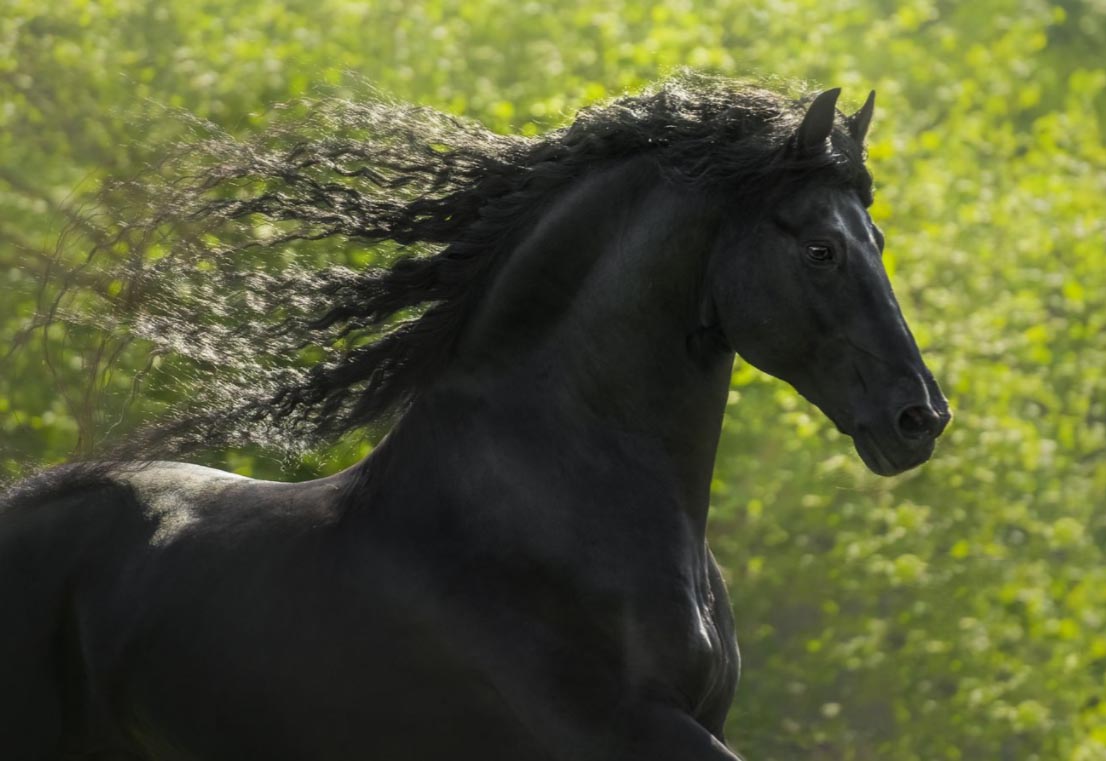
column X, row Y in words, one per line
column 520, row 569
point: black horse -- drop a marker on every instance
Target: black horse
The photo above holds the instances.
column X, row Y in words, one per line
column 519, row 570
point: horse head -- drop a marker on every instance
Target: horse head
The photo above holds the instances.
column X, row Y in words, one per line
column 798, row 289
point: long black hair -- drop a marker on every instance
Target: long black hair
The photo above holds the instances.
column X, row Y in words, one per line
column 229, row 270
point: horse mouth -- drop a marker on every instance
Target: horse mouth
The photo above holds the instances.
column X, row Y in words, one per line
column 884, row 460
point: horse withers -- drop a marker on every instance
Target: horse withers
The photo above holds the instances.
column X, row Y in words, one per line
column 519, row 570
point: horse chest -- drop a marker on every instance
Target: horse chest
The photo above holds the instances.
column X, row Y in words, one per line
column 653, row 630
column 655, row 598
column 604, row 588
column 671, row 642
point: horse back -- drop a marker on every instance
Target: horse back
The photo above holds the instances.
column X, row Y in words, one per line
column 74, row 527
column 50, row 522
column 86, row 555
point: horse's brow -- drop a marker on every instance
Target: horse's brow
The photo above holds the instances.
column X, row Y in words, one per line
column 820, row 210
column 783, row 222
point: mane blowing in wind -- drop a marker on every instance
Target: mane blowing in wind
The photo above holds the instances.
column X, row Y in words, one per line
column 227, row 274
column 550, row 324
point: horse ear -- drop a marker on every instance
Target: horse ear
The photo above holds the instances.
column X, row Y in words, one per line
column 858, row 122
column 818, row 123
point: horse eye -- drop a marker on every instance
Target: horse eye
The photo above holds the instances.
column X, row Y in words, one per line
column 819, row 254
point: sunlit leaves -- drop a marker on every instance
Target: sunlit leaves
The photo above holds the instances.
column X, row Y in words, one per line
column 953, row 613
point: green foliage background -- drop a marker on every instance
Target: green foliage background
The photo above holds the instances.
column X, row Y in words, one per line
column 956, row 612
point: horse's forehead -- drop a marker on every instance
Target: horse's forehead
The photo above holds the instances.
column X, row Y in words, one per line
column 822, row 204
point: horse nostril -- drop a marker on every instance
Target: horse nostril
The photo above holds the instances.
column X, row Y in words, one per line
column 919, row 422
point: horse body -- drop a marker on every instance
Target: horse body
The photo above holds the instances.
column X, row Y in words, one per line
column 411, row 630
column 520, row 568
column 417, row 614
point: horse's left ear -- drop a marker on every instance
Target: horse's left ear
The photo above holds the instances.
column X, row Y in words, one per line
column 858, row 122
column 818, row 123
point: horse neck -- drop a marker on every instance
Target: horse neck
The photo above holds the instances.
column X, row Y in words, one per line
column 593, row 327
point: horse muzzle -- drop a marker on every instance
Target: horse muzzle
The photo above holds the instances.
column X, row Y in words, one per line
column 892, row 443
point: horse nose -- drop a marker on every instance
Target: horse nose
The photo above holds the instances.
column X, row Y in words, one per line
column 921, row 421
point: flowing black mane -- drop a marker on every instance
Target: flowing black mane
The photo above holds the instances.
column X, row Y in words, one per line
column 229, row 275
column 523, row 564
